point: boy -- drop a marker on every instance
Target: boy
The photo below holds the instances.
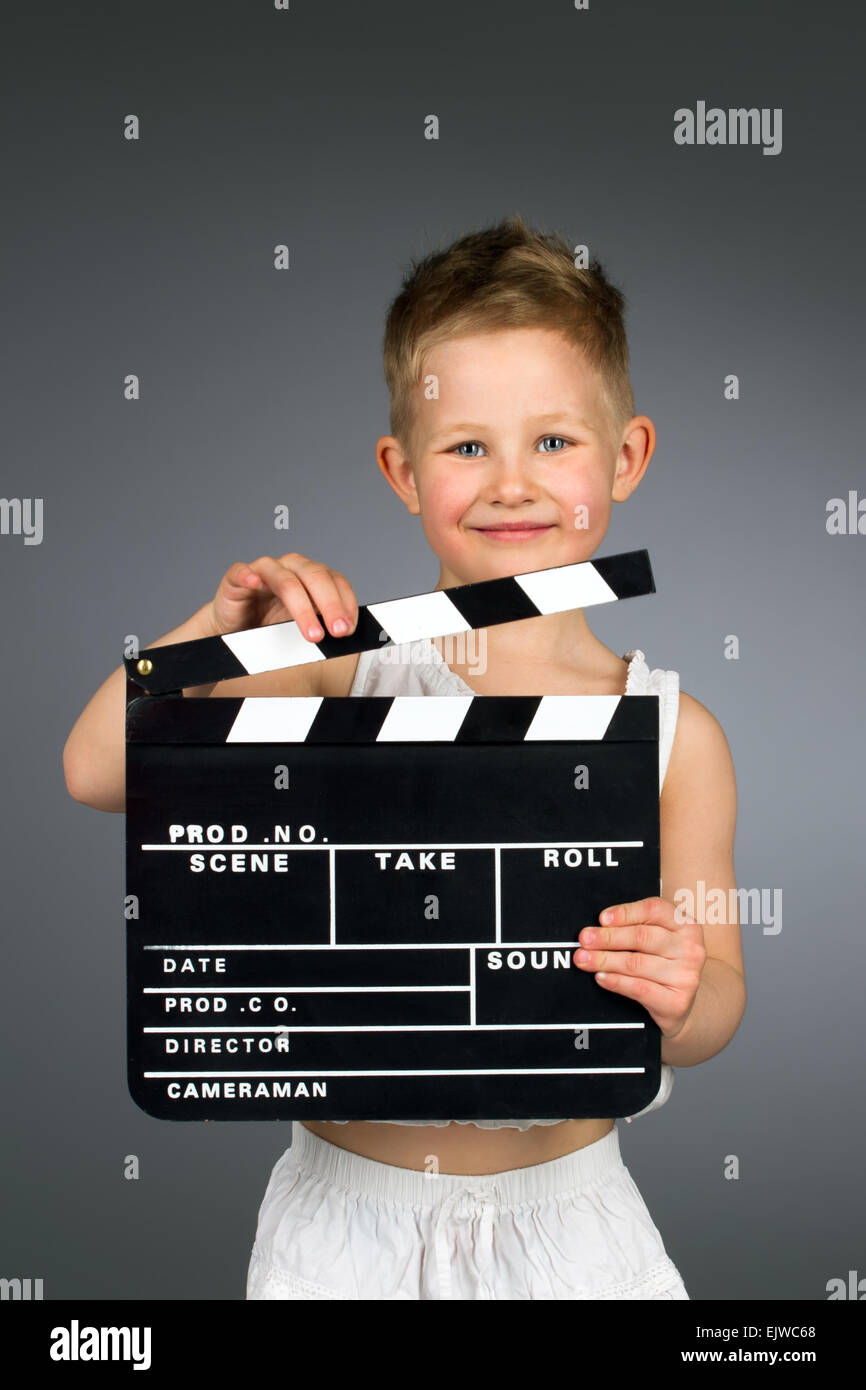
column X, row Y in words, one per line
column 499, row 346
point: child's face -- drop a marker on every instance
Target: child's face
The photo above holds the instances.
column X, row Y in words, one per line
column 518, row 436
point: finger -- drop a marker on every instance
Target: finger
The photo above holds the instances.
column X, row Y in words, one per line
column 239, row 579
column 656, row 998
column 644, row 936
column 347, row 594
column 656, row 910
column 321, row 583
column 291, row 592
column 633, row 964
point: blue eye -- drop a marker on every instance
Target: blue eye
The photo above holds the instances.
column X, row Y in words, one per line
column 473, row 444
column 470, row 443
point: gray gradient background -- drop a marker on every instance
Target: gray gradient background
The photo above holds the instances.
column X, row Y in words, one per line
column 260, row 388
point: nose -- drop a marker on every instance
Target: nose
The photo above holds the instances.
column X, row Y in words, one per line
column 512, row 481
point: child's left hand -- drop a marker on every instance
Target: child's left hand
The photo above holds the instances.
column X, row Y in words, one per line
column 645, row 952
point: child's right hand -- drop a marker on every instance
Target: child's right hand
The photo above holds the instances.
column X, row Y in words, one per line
column 277, row 591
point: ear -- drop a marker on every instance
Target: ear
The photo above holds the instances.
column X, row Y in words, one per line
column 397, row 469
column 632, row 460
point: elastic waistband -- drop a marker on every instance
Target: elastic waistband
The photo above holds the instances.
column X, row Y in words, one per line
column 386, row 1181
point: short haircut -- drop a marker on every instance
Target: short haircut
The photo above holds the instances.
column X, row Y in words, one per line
column 506, row 276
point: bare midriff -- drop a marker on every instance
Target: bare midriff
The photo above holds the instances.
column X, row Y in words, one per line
column 461, row 1148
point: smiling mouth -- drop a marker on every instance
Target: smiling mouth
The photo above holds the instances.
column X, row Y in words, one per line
column 512, row 531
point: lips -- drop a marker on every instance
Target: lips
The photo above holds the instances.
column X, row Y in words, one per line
column 514, row 530
column 518, row 526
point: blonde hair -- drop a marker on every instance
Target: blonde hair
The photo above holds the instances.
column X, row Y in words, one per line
column 505, row 276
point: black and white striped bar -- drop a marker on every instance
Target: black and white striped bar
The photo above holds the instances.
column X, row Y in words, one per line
column 504, row 719
column 439, row 613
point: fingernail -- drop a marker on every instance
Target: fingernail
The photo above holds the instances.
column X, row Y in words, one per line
column 314, row 633
column 341, row 626
column 607, row 916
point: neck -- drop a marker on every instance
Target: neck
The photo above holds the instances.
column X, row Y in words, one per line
column 556, row 639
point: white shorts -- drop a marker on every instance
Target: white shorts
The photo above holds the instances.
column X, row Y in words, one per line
column 335, row 1225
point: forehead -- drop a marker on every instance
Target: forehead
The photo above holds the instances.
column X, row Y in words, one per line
column 508, row 376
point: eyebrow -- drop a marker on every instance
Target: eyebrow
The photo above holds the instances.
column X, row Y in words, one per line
column 554, row 417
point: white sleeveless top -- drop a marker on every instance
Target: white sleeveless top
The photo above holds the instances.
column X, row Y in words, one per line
column 417, row 668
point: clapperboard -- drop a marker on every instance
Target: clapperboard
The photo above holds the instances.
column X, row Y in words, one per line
column 366, row 908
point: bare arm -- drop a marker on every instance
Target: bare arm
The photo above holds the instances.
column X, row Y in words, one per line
column 268, row 591
column 716, row 1014
column 94, row 755
column 698, row 824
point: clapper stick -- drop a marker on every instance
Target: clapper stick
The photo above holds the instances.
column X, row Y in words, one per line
column 366, row 907
column 439, row 613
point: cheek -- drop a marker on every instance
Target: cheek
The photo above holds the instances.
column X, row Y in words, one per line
column 445, row 501
column 588, row 503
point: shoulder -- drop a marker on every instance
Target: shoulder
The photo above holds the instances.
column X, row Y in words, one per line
column 700, row 758
column 333, row 677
